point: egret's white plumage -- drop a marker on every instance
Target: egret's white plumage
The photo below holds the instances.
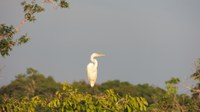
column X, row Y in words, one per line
column 92, row 69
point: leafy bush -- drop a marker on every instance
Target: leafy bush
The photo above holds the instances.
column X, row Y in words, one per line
column 69, row 99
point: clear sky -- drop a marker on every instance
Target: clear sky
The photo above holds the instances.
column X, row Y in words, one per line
column 145, row 41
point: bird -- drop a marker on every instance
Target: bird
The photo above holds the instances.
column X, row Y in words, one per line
column 92, row 68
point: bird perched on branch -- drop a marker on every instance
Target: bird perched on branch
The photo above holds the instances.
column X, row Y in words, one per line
column 92, row 68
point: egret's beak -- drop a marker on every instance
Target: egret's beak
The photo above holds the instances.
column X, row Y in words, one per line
column 100, row 54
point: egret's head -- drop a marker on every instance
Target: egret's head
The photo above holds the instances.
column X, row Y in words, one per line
column 97, row 55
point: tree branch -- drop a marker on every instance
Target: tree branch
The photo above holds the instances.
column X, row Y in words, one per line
column 17, row 28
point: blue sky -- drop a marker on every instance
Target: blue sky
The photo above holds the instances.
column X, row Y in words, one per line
column 144, row 41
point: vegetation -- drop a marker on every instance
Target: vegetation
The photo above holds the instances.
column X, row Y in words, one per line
column 33, row 91
column 121, row 88
column 30, row 84
column 69, row 100
column 172, row 102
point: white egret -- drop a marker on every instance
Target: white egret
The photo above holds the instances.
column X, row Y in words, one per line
column 92, row 69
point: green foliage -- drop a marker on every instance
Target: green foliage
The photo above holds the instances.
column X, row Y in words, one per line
column 4, row 29
column 172, row 102
column 63, row 4
column 30, row 9
column 23, row 39
column 70, row 100
column 7, row 40
column 32, row 91
column 171, row 88
column 30, row 84
column 6, row 43
column 121, row 88
column 196, row 90
column 168, row 102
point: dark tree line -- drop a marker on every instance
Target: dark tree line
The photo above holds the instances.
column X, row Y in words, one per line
column 33, row 83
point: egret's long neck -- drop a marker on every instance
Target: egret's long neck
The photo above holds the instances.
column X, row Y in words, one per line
column 94, row 61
